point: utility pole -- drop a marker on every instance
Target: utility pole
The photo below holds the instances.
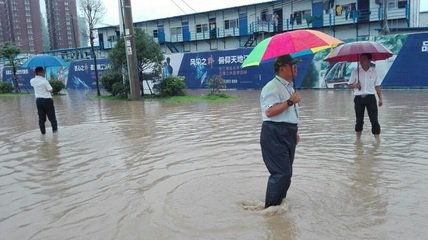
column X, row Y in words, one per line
column 131, row 54
column 91, row 37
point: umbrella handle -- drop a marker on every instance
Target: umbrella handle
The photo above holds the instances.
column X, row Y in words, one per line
column 358, row 79
column 294, row 87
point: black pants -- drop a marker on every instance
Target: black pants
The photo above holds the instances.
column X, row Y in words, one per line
column 45, row 107
column 360, row 104
column 278, row 145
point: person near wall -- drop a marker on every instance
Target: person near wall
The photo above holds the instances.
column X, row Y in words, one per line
column 366, row 83
column 275, row 20
column 44, row 101
column 279, row 135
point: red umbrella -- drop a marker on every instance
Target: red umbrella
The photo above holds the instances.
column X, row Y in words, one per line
column 350, row 52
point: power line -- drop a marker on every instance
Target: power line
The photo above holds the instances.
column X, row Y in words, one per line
column 178, row 6
column 188, row 6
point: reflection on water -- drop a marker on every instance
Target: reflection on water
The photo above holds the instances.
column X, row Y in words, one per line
column 119, row 169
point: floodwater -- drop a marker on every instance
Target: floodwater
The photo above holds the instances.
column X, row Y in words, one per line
column 152, row 170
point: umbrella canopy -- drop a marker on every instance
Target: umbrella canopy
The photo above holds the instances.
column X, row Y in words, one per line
column 296, row 43
column 350, row 52
column 44, row 61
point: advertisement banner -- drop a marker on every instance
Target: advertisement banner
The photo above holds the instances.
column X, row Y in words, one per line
column 198, row 68
column 407, row 68
column 81, row 74
column 23, row 76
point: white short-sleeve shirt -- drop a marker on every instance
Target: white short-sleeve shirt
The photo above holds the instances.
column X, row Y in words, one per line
column 368, row 79
column 42, row 88
column 276, row 91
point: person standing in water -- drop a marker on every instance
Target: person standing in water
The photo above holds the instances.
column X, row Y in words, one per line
column 279, row 135
column 366, row 83
column 44, row 101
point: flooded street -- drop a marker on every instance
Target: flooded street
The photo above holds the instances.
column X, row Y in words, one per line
column 152, row 170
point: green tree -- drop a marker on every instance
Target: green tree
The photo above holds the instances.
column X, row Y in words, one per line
column 149, row 54
column 10, row 52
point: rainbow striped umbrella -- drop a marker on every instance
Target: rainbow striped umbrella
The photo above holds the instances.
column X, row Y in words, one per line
column 296, row 43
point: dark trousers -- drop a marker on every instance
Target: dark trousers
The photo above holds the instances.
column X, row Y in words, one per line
column 45, row 107
column 360, row 104
column 278, row 145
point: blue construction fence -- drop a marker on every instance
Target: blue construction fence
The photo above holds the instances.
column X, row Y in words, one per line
column 406, row 69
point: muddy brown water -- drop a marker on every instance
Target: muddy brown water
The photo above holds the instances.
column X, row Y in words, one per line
column 152, row 170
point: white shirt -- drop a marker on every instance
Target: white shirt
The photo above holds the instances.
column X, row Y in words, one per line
column 41, row 87
column 368, row 79
column 278, row 90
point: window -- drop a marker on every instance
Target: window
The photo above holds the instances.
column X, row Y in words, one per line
column 264, row 15
column 231, row 24
column 175, row 30
column 306, row 13
column 392, row 4
column 201, row 28
column 155, row 33
column 402, row 3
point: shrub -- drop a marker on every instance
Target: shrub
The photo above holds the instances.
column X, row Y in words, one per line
column 110, row 79
column 172, row 86
column 6, row 87
column 120, row 89
column 57, row 86
column 216, row 83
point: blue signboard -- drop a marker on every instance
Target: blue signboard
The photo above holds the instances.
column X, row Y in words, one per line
column 81, row 74
column 406, row 69
column 410, row 67
column 198, row 68
column 24, row 76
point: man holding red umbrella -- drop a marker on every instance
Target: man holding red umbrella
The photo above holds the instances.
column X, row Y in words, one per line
column 366, row 83
column 364, row 80
column 279, row 136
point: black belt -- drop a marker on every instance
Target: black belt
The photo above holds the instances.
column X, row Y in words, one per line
column 283, row 123
column 364, row 95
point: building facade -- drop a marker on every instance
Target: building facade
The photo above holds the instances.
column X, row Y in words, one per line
column 20, row 24
column 245, row 26
column 62, row 24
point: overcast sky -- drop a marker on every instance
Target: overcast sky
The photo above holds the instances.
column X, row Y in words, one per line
column 153, row 9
